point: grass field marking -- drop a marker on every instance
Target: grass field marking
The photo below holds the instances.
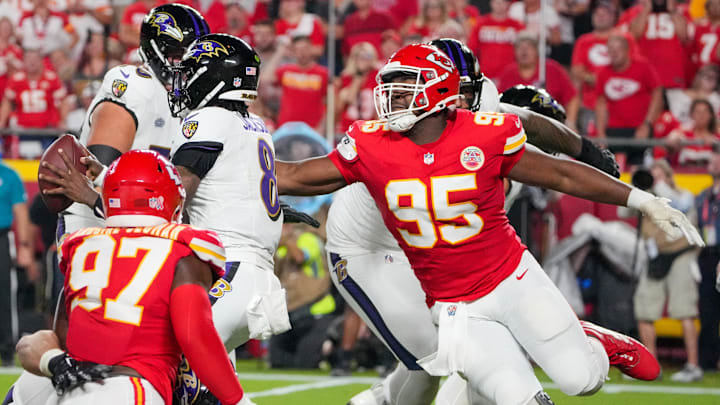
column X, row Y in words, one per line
column 327, row 383
column 656, row 389
column 299, row 377
column 10, row 370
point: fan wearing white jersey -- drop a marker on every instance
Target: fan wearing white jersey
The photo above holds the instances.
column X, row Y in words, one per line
column 129, row 112
column 225, row 156
column 366, row 258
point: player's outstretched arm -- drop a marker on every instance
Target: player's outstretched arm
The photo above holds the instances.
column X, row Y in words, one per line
column 313, row 176
column 195, row 332
column 580, row 180
column 551, row 135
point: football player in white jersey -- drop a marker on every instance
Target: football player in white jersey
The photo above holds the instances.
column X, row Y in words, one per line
column 129, row 112
column 225, row 156
column 366, row 258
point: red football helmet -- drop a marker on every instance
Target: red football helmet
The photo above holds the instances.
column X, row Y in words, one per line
column 142, row 188
column 436, row 86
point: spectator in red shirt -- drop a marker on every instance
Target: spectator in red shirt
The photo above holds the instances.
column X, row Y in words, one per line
column 705, row 86
column 702, row 127
column 402, row 11
column 589, row 56
column 704, row 43
column 95, row 60
column 215, row 14
column 391, row 42
column 303, row 83
column 10, row 53
column 525, row 71
column 294, row 22
column 432, row 18
column 661, row 31
column 629, row 97
column 357, row 80
column 132, row 18
column 365, row 25
column 35, row 95
column 237, row 22
column 464, row 13
column 50, row 30
column 492, row 38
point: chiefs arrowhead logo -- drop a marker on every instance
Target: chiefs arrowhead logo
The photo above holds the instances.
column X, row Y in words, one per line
column 619, row 88
column 165, row 24
column 207, row 48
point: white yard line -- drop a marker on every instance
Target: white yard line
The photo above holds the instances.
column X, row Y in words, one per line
column 328, row 382
column 319, row 381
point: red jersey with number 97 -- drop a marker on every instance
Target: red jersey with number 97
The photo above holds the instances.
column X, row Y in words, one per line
column 443, row 201
column 117, row 295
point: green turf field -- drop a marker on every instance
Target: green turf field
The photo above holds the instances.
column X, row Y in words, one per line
column 273, row 387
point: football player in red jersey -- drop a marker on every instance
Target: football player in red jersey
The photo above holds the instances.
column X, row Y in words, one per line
column 436, row 175
column 136, row 294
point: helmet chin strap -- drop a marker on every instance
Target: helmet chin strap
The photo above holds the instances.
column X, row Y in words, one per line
column 402, row 122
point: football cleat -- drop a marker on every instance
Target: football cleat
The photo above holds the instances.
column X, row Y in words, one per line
column 627, row 354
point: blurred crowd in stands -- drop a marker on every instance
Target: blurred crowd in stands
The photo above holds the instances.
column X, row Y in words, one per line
column 633, row 71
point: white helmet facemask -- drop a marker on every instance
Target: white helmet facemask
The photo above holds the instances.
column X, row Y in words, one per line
column 404, row 119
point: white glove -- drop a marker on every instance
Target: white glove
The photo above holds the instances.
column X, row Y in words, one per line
column 673, row 222
column 246, row 401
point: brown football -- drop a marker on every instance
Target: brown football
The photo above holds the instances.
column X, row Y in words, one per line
column 73, row 149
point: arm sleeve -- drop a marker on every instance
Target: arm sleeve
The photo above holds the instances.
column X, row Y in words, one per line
column 198, row 157
column 195, row 332
column 515, row 138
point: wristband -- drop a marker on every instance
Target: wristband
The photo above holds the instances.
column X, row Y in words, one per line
column 98, row 182
column 638, row 198
column 98, row 208
column 45, row 360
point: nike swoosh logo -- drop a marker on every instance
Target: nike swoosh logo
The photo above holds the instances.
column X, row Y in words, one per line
column 125, row 75
column 522, row 275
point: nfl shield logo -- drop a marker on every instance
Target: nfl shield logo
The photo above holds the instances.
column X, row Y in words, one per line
column 237, row 82
column 429, row 158
column 451, row 310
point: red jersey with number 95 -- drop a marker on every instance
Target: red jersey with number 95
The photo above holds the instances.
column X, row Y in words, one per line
column 443, row 201
column 117, row 295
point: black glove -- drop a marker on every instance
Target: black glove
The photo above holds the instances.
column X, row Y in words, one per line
column 68, row 374
column 205, row 397
column 601, row 159
column 293, row 216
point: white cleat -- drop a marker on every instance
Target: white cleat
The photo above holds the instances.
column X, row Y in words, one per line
column 371, row 396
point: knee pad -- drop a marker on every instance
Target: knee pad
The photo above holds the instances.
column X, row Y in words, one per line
column 541, row 398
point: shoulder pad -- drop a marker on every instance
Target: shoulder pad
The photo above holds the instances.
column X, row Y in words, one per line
column 346, row 148
column 206, row 124
column 123, row 84
column 206, row 246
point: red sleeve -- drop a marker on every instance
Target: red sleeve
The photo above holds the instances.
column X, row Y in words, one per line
column 195, row 332
column 568, row 88
column 514, row 139
column 652, row 79
column 215, row 17
column 279, row 74
column 602, row 77
column 207, row 246
column 579, row 52
column 127, row 15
